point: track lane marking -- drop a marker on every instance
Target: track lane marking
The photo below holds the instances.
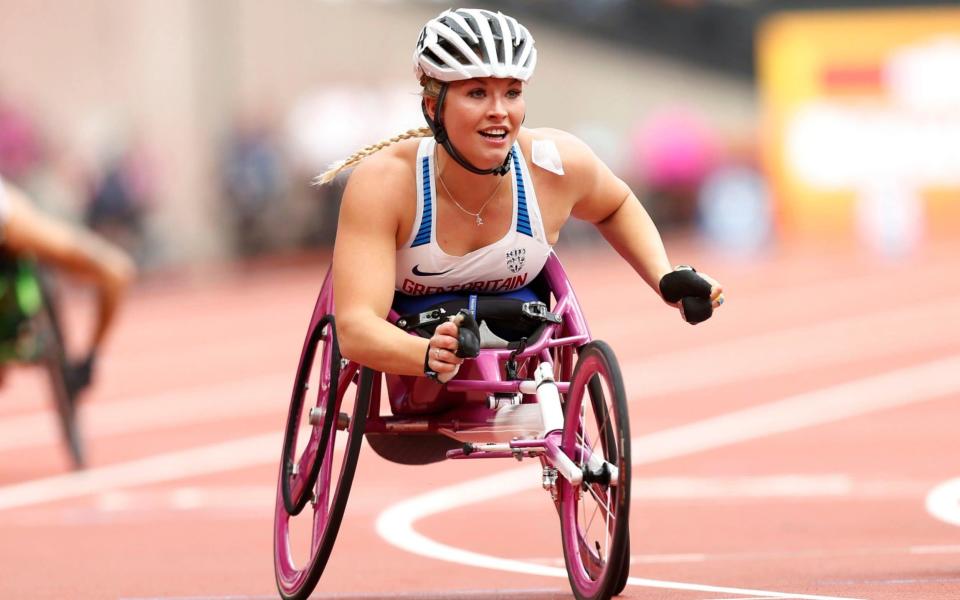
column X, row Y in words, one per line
column 897, row 388
column 171, row 466
column 943, row 502
column 905, row 386
column 723, row 362
column 189, row 405
column 111, row 477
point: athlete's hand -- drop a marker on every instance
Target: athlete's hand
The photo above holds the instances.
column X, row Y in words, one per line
column 442, row 352
column 695, row 294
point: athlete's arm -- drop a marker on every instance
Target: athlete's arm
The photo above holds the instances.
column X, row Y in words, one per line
column 364, row 264
column 74, row 250
column 607, row 202
column 604, row 200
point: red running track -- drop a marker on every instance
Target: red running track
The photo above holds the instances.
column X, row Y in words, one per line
column 803, row 443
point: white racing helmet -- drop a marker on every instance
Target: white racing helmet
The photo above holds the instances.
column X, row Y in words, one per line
column 467, row 43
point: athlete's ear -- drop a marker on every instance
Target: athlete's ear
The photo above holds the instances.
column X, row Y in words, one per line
column 431, row 106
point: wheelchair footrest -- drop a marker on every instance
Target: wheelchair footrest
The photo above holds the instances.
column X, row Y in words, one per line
column 518, row 449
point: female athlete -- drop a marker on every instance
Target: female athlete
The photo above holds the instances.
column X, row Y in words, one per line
column 473, row 204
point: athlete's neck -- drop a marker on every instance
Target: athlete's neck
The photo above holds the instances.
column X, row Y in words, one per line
column 469, row 189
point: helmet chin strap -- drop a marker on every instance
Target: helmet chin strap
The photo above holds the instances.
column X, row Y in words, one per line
column 440, row 134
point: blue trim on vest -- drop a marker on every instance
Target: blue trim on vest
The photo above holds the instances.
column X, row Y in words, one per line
column 423, row 234
column 405, row 304
column 523, row 216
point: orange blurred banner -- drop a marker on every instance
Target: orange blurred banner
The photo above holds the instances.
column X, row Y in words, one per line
column 862, row 119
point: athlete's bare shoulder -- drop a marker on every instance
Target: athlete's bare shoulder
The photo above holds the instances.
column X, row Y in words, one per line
column 392, row 164
column 579, row 164
column 381, row 192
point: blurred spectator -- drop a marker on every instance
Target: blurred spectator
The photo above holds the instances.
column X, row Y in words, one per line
column 254, row 182
column 673, row 151
column 734, row 203
column 121, row 199
column 20, row 149
column 327, row 124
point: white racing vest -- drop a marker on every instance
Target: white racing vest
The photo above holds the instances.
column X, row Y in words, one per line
column 510, row 263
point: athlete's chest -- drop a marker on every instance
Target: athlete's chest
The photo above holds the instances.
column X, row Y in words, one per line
column 459, row 231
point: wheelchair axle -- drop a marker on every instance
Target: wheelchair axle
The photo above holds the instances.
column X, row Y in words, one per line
column 317, row 414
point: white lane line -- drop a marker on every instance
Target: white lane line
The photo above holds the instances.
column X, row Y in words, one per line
column 943, row 501
column 253, row 500
column 264, row 449
column 837, row 342
column 638, row 559
column 396, row 526
column 904, row 386
column 834, row 342
column 871, row 394
column 198, row 404
column 868, row 395
column 720, row 488
column 445, row 595
column 935, row 550
column 215, row 458
column 203, row 598
column 755, row 598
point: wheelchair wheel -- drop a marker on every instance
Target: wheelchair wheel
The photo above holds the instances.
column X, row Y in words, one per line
column 53, row 359
column 320, row 451
column 621, row 581
column 594, row 516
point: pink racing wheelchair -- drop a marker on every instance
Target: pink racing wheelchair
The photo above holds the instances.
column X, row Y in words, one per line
column 554, row 395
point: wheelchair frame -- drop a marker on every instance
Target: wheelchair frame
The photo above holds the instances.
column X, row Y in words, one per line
column 581, row 439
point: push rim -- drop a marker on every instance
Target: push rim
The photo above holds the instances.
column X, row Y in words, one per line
column 298, row 475
column 335, row 451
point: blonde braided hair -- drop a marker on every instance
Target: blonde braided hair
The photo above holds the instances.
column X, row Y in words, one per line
column 431, row 88
column 361, row 154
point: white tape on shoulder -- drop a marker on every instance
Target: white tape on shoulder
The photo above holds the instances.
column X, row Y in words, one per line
column 546, row 156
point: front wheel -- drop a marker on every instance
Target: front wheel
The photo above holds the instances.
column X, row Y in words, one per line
column 319, row 459
column 53, row 359
column 594, row 515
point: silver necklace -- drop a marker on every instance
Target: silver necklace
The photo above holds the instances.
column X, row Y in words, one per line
column 475, row 215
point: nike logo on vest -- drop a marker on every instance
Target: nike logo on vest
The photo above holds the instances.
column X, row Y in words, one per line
column 419, row 273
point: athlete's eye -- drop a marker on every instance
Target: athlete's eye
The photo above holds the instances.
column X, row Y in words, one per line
column 477, row 93
column 512, row 94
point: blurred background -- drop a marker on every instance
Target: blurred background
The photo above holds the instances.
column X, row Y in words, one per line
column 804, row 152
column 189, row 131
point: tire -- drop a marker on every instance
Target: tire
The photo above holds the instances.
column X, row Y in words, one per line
column 326, row 466
column 595, row 515
column 621, row 581
column 54, row 361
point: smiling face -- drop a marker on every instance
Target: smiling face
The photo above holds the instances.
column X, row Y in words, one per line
column 482, row 117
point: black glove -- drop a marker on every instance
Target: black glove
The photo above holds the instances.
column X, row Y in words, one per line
column 468, row 335
column 692, row 291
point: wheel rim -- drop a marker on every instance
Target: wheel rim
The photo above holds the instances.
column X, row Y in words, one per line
column 594, row 514
column 302, row 545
